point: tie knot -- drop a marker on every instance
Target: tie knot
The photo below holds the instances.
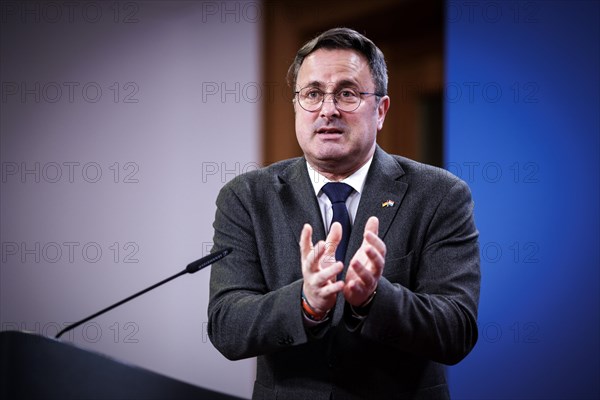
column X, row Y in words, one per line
column 337, row 192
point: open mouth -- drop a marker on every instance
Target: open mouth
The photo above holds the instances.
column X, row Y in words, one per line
column 330, row 131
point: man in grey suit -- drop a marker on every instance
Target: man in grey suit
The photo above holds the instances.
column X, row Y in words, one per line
column 362, row 297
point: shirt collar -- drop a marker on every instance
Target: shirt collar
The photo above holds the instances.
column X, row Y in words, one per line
column 356, row 180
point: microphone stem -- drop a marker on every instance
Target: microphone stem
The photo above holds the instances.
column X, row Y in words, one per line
column 83, row 321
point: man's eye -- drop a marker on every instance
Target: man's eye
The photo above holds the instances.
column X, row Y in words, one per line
column 347, row 94
column 313, row 94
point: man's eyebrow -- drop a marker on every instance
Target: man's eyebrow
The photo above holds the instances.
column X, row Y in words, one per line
column 317, row 84
column 344, row 83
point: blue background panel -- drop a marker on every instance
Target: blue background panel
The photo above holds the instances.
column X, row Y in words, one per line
column 522, row 125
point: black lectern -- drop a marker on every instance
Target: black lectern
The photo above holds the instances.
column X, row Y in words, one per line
column 36, row 367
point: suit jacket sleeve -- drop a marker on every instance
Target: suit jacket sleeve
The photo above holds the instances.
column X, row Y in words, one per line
column 248, row 315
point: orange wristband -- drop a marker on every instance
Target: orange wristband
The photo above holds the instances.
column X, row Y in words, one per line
column 310, row 312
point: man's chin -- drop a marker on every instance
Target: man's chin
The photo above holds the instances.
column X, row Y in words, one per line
column 333, row 162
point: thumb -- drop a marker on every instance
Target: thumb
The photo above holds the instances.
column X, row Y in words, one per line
column 306, row 241
column 335, row 234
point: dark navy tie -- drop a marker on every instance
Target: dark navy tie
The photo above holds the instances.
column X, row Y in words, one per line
column 338, row 193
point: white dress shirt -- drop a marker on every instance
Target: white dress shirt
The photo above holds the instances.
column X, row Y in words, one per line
column 356, row 180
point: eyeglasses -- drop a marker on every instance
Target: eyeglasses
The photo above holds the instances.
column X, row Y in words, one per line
column 347, row 99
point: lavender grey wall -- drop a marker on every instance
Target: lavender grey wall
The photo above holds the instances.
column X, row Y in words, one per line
column 120, row 121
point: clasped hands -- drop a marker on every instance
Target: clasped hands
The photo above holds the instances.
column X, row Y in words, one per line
column 320, row 270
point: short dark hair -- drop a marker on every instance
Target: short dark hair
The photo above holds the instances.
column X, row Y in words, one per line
column 344, row 38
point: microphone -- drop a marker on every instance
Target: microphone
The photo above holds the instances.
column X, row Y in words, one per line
column 191, row 268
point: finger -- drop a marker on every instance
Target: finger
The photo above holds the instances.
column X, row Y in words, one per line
column 377, row 261
column 335, row 234
column 371, row 228
column 331, row 289
column 321, row 286
column 329, row 274
column 351, row 287
column 331, row 243
column 372, row 225
column 305, row 241
column 372, row 260
column 375, row 241
column 313, row 259
column 363, row 276
column 355, row 292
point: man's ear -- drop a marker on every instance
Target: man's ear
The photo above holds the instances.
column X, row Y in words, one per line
column 382, row 109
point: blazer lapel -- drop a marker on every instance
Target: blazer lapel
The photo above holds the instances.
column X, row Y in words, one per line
column 381, row 197
column 298, row 200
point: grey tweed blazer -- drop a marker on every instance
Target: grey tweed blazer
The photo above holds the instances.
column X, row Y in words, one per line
column 423, row 315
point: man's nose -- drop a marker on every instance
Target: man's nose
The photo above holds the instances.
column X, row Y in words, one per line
column 329, row 106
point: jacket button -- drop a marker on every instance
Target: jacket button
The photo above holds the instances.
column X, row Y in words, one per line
column 286, row 341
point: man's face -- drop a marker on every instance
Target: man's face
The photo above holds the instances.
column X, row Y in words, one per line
column 335, row 142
